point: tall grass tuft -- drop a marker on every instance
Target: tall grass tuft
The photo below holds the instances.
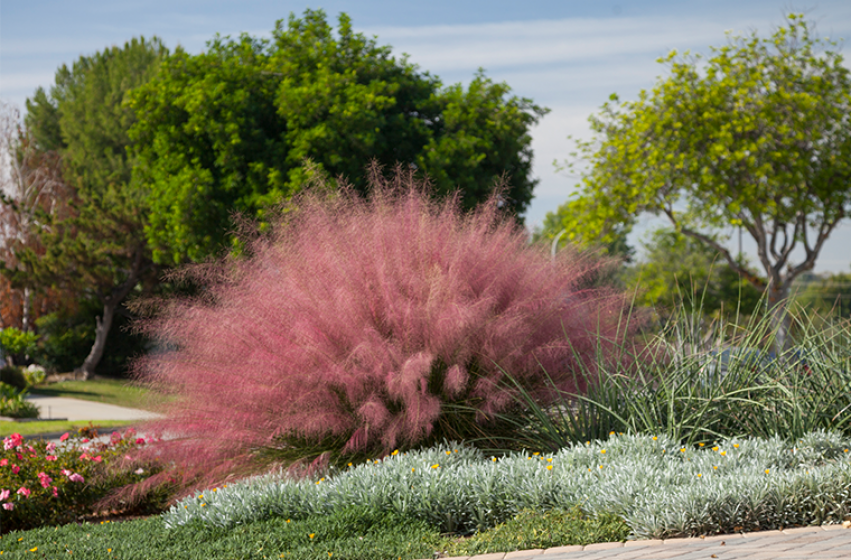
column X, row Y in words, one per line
column 358, row 326
column 696, row 382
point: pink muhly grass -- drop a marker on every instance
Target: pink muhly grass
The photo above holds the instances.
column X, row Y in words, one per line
column 356, row 321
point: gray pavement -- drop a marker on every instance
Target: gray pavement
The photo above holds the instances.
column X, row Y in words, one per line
column 802, row 543
column 75, row 409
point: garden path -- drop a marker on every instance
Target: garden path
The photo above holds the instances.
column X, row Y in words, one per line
column 802, row 543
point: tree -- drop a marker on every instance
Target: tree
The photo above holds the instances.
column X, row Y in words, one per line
column 758, row 136
column 243, row 126
column 680, row 271
column 32, row 192
column 100, row 250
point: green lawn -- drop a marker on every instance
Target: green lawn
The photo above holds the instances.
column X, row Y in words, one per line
column 110, row 391
column 28, row 429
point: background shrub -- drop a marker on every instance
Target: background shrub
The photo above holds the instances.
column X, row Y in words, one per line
column 362, row 325
column 14, row 377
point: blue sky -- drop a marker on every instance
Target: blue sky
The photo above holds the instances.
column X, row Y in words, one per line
column 568, row 55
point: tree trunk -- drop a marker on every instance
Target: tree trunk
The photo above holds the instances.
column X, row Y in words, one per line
column 778, row 295
column 104, row 323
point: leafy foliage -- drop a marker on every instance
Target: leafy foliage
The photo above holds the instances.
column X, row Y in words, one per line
column 678, row 273
column 362, row 325
column 246, row 124
column 17, row 344
column 100, row 250
column 12, row 402
column 756, row 136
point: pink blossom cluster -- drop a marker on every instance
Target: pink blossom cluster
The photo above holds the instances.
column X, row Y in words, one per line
column 22, row 453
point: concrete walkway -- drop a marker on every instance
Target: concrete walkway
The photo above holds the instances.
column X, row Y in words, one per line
column 75, row 409
column 802, row 543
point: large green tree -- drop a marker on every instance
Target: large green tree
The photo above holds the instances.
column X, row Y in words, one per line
column 99, row 249
column 758, row 135
column 242, row 127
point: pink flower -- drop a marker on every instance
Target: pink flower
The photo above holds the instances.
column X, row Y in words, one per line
column 8, row 506
column 16, row 469
column 84, row 456
column 50, row 447
column 4, row 462
column 97, row 459
column 19, row 456
column 63, row 437
column 115, row 437
column 50, row 458
column 55, row 492
column 44, row 480
column 12, row 441
column 66, row 472
column 4, row 494
column 24, row 491
column 129, row 433
column 140, row 441
column 76, row 478
column 85, row 440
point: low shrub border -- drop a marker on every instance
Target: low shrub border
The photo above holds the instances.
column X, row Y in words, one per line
column 659, row 487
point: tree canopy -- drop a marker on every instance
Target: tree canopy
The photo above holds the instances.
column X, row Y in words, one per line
column 99, row 248
column 242, row 126
column 758, row 135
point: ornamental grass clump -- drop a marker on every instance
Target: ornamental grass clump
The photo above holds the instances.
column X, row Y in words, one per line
column 359, row 325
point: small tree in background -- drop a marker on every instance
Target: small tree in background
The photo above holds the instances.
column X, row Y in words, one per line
column 362, row 325
column 758, row 137
column 32, row 193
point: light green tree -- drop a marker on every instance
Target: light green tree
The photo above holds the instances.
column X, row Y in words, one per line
column 758, row 136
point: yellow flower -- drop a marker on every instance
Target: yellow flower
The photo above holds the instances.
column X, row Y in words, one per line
column 715, row 468
column 603, row 451
column 655, row 438
column 736, row 445
column 215, row 489
column 550, row 460
column 701, row 444
column 682, row 449
column 395, row 452
column 448, row 452
column 36, row 548
column 536, row 453
column 723, row 453
column 699, row 475
column 493, row 459
column 611, row 433
column 767, row 471
column 601, row 466
column 549, row 467
column 436, row 465
column 845, row 451
column 587, row 443
column 288, row 520
column 454, row 451
column 311, row 535
column 350, row 464
column 413, row 469
column 715, row 448
column 200, row 497
column 109, row 550
column 202, row 505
